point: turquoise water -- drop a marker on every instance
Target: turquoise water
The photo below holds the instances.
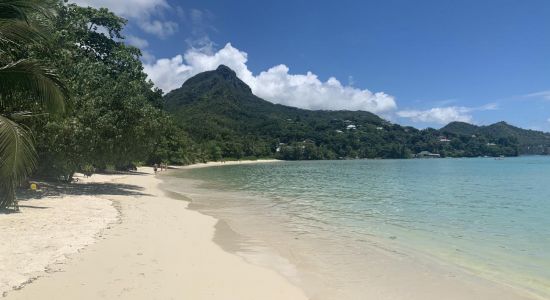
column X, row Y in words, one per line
column 491, row 217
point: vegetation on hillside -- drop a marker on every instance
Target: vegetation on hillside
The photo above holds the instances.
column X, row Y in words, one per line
column 529, row 141
column 226, row 120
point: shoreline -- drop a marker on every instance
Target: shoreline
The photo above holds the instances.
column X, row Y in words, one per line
column 158, row 249
column 101, row 269
column 224, row 163
column 395, row 273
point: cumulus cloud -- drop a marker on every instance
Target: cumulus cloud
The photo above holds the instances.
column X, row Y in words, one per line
column 444, row 115
column 146, row 13
column 276, row 84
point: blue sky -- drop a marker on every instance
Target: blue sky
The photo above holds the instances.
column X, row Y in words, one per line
column 420, row 63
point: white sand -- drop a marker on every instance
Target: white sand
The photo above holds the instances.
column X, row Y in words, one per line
column 159, row 250
column 45, row 231
column 228, row 163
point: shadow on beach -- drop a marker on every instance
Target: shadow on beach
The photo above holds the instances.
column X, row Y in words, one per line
column 56, row 189
column 53, row 189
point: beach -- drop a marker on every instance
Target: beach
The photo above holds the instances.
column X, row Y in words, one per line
column 140, row 245
column 314, row 222
column 124, row 236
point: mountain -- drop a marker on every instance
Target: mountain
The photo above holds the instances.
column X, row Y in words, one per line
column 216, row 107
column 219, row 98
column 225, row 119
column 460, row 128
column 529, row 141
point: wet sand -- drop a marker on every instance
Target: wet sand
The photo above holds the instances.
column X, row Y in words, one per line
column 157, row 249
column 327, row 270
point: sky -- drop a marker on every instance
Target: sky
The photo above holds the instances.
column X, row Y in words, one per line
column 422, row 63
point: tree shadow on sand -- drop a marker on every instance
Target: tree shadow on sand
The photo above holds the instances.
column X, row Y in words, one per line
column 54, row 189
column 49, row 189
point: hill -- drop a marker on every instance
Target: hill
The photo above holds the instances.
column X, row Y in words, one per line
column 529, row 141
column 225, row 119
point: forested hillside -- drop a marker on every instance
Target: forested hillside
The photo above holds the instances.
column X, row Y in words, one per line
column 529, row 141
column 222, row 115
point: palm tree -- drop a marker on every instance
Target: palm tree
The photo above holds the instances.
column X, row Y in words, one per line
column 22, row 81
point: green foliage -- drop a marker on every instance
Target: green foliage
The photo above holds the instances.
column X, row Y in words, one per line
column 114, row 118
column 17, row 157
column 27, row 88
column 88, row 170
column 522, row 141
column 220, row 111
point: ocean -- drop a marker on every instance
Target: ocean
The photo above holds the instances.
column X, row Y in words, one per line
column 489, row 218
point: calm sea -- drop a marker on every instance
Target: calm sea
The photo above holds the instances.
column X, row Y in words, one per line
column 490, row 217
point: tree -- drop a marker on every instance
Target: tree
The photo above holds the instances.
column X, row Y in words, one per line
column 27, row 88
column 115, row 118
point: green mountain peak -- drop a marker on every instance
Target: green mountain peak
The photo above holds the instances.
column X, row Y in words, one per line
column 221, row 114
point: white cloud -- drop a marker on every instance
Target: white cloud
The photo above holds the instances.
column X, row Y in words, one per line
column 136, row 41
column 147, row 57
column 144, row 12
column 444, row 115
column 440, row 115
column 541, row 95
column 488, row 106
column 275, row 84
column 159, row 28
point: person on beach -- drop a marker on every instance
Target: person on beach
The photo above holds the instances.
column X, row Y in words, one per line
column 155, row 168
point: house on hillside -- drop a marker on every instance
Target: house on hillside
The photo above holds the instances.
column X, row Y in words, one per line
column 426, row 154
column 351, row 127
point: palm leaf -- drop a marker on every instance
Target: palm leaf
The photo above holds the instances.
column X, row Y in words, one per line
column 19, row 33
column 17, row 159
column 16, row 26
column 12, row 11
column 20, row 9
column 41, row 82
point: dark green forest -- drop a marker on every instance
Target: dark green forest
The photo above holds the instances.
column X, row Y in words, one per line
column 74, row 98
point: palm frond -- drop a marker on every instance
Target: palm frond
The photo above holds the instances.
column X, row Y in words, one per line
column 21, row 21
column 17, row 159
column 19, row 33
column 11, row 11
column 24, row 115
column 21, row 9
column 41, row 82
